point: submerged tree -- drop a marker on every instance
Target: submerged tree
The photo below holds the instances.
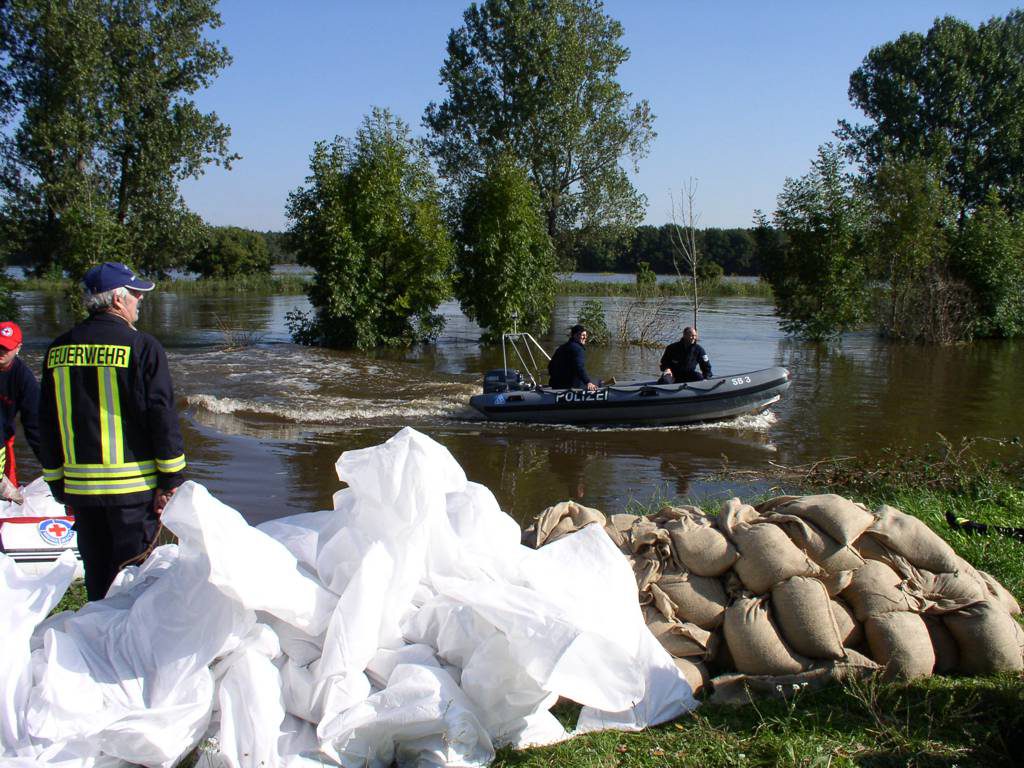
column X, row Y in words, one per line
column 536, row 79
column 106, row 128
column 369, row 222
column 505, row 265
column 230, row 252
column 817, row 269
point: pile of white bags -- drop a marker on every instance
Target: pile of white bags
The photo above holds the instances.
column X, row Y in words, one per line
column 408, row 624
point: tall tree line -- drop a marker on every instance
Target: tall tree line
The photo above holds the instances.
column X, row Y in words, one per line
column 100, row 127
column 914, row 220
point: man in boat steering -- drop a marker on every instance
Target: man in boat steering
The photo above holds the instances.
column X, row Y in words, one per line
column 682, row 359
column 566, row 367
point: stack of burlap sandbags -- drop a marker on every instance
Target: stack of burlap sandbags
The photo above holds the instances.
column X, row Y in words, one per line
column 804, row 590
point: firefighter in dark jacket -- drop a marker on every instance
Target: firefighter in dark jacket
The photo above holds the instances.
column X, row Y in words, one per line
column 19, row 394
column 566, row 367
column 111, row 447
column 682, row 359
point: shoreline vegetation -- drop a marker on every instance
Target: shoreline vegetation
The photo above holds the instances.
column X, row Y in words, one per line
column 937, row 721
column 293, row 285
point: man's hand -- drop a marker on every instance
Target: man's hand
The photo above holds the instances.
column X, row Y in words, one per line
column 160, row 500
column 591, row 386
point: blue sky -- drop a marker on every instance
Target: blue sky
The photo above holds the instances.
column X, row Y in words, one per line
column 744, row 92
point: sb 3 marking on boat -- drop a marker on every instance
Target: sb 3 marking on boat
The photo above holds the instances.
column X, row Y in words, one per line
column 580, row 396
column 740, row 380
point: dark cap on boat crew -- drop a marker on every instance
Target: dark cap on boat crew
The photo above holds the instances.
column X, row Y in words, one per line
column 577, row 329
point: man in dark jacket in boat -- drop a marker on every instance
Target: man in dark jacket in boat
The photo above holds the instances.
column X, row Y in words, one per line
column 682, row 358
column 566, row 366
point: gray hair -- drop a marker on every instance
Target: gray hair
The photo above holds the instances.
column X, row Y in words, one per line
column 99, row 302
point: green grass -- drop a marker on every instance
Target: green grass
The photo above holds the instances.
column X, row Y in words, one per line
column 723, row 289
column 935, row 722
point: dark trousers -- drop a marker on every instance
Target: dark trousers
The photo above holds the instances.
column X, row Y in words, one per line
column 108, row 536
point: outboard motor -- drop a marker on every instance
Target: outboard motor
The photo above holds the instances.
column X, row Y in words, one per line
column 504, row 380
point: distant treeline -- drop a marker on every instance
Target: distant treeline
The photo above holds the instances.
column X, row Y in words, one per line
column 732, row 249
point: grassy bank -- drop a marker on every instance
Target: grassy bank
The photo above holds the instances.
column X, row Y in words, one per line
column 260, row 285
column 720, row 290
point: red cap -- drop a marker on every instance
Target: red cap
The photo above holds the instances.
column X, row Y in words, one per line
column 10, row 335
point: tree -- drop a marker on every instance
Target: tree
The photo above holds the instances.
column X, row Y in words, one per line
column 106, row 128
column 907, row 245
column 231, row 251
column 951, row 96
column 536, row 79
column 989, row 256
column 369, row 222
column 816, row 269
column 684, row 242
column 505, row 265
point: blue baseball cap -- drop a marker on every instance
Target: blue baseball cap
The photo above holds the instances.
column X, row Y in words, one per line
column 111, row 275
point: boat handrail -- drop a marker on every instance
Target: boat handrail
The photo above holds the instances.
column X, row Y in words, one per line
column 511, row 339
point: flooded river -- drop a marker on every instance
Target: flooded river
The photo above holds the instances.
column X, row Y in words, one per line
column 265, row 420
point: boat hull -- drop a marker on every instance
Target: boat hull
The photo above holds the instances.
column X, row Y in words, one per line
column 641, row 403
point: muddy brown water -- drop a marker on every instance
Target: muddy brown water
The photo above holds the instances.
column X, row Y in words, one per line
column 265, row 420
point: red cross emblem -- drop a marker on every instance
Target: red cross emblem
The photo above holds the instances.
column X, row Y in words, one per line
column 57, row 529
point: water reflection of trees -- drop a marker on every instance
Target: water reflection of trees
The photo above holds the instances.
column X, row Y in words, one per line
column 862, row 394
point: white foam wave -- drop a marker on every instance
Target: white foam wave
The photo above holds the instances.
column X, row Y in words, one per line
column 337, row 411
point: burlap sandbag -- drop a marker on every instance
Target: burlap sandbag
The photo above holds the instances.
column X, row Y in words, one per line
column 876, row 589
column 945, row 592
column 986, row 637
column 563, row 518
column 900, row 641
column 803, row 613
column 1000, row 593
column 684, row 512
column 695, row 672
column 697, row 599
column 820, row 547
column 735, row 512
column 699, row 548
column 754, row 642
column 622, row 523
column 850, row 629
column 618, row 539
column 836, row 582
column 680, row 639
column 772, row 504
column 647, row 538
column 646, row 570
column 767, row 556
column 913, row 539
column 871, row 548
column 841, row 519
column 947, row 655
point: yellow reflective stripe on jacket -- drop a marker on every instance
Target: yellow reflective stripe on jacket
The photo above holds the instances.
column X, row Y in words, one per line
column 62, row 389
column 104, row 471
column 170, row 466
column 52, row 475
column 90, row 355
column 111, row 440
column 111, row 486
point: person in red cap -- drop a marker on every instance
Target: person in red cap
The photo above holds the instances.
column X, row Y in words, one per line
column 19, row 394
column 111, row 445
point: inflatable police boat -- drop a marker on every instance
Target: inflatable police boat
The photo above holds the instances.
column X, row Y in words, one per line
column 635, row 402
column 512, row 396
